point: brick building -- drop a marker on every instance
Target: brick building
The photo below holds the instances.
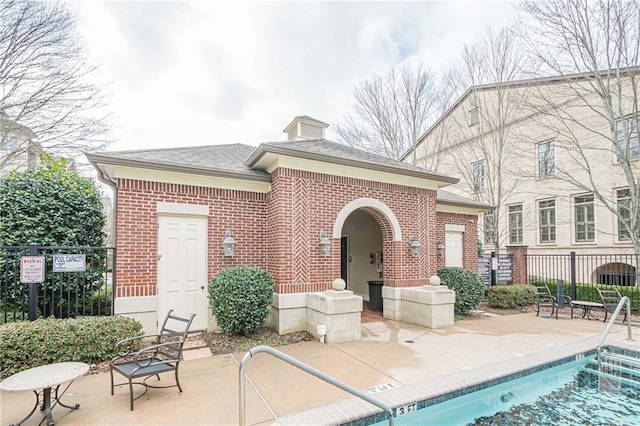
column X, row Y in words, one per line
column 307, row 210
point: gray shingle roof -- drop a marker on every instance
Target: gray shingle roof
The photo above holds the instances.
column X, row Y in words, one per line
column 447, row 197
column 223, row 159
column 238, row 160
column 325, row 150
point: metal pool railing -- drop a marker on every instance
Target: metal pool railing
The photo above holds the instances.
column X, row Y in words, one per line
column 308, row 369
column 624, row 301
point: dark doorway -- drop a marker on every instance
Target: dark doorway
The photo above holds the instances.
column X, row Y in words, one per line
column 344, row 259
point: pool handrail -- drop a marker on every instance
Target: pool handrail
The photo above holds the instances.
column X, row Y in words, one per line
column 623, row 301
column 306, row 368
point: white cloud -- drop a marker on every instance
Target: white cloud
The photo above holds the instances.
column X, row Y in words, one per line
column 193, row 73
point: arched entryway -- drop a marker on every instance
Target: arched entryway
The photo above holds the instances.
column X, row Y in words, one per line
column 366, row 228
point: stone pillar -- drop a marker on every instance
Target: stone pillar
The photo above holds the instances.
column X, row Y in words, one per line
column 339, row 311
column 430, row 306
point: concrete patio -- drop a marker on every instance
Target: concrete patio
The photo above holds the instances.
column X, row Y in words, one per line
column 411, row 358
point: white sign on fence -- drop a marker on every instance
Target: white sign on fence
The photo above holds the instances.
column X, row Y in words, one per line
column 32, row 269
column 69, row 263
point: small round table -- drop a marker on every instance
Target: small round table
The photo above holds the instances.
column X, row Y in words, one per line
column 44, row 378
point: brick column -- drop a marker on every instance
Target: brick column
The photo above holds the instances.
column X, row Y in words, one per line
column 519, row 263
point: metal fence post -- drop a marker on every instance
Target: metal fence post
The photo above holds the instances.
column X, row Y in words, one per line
column 573, row 276
column 494, row 269
column 33, row 288
column 560, row 293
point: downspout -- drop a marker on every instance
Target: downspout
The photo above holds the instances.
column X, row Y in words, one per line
column 102, row 177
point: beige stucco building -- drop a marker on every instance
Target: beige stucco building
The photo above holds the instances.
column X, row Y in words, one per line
column 545, row 153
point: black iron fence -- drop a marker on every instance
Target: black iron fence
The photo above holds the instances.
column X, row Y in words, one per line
column 38, row 281
column 578, row 275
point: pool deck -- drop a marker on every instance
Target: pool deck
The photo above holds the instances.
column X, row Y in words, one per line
column 416, row 361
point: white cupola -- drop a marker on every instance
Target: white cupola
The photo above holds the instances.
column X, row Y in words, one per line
column 304, row 127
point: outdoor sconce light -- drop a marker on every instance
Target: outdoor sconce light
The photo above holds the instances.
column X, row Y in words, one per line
column 440, row 250
column 228, row 244
column 325, row 244
column 415, row 246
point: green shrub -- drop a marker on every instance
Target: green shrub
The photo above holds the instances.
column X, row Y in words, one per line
column 48, row 340
column 240, row 298
column 50, row 206
column 467, row 284
column 510, row 296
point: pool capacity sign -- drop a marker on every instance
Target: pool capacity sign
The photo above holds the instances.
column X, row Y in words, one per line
column 69, row 263
column 32, row 269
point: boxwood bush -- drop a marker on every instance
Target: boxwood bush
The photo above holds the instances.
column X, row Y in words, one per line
column 240, row 298
column 467, row 284
column 510, row 296
column 48, row 340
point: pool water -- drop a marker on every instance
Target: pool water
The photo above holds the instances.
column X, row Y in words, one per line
column 561, row 395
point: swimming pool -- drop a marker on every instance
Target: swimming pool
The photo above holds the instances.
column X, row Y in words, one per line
column 562, row 394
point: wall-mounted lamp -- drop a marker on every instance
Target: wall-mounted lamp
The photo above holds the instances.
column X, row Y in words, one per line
column 415, row 246
column 228, row 244
column 325, row 244
column 441, row 249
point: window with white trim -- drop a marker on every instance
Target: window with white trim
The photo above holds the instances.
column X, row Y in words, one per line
column 489, row 225
column 515, row 224
column 623, row 197
column 547, row 221
column 478, row 175
column 474, row 116
column 584, row 218
column 627, row 136
column 546, row 159
column 8, row 143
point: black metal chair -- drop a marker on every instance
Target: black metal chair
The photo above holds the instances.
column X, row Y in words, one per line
column 163, row 355
column 544, row 299
column 610, row 300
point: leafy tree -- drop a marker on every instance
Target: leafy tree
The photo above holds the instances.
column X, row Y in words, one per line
column 50, row 206
column 49, row 88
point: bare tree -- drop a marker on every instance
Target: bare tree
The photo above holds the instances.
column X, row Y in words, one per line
column 391, row 111
column 50, row 98
column 594, row 46
column 476, row 142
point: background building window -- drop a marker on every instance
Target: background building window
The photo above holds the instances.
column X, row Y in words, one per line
column 627, row 136
column 474, row 117
column 546, row 159
column 8, row 143
column 547, row 214
column 515, row 224
column 584, row 220
column 624, row 213
column 478, row 176
column 489, row 224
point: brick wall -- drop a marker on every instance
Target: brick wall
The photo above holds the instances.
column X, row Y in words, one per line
column 280, row 231
column 469, row 238
column 301, row 204
column 137, row 229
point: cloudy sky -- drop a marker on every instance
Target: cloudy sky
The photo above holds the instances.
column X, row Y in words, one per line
column 189, row 73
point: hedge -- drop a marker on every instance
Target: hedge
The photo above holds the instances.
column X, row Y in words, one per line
column 44, row 341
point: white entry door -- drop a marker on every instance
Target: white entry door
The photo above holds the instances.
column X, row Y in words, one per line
column 182, row 268
column 453, row 249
